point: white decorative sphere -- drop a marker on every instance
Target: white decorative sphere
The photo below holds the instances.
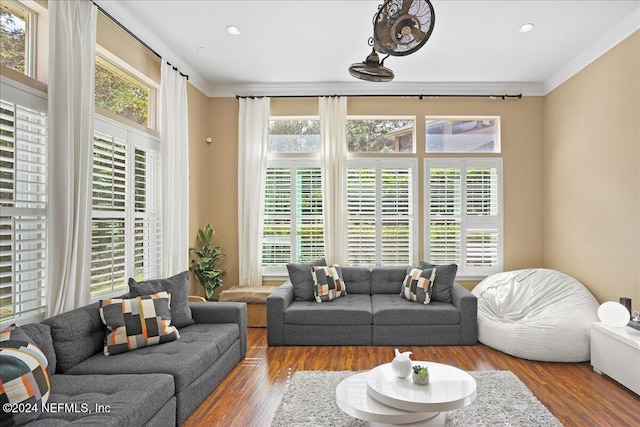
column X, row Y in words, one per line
column 613, row 314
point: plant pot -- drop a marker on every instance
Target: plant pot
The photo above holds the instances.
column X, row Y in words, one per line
column 417, row 379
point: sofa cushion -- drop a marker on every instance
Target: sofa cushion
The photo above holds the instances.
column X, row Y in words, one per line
column 177, row 286
column 199, row 347
column 348, row 310
column 445, row 276
column 395, row 310
column 417, row 285
column 137, row 322
column 302, row 280
column 387, row 280
column 328, row 283
column 23, row 377
column 77, row 335
column 357, row 280
column 41, row 336
column 131, row 400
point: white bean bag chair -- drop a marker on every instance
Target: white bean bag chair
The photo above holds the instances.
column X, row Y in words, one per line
column 536, row 314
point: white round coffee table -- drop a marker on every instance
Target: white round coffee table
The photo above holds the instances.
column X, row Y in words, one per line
column 381, row 398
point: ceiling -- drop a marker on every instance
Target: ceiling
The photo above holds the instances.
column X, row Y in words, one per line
column 302, row 46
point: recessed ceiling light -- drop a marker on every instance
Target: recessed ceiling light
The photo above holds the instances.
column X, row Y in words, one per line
column 525, row 28
column 232, row 29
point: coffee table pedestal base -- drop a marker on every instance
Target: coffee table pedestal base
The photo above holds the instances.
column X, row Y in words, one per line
column 352, row 398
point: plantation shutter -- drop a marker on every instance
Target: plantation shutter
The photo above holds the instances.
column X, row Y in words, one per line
column 482, row 211
column 361, row 216
column 276, row 242
column 126, row 232
column 444, row 215
column 293, row 221
column 147, row 246
column 464, row 220
column 23, row 198
column 396, row 217
column 380, row 212
column 309, row 219
column 108, row 225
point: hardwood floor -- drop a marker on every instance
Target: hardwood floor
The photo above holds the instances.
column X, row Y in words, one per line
column 251, row 393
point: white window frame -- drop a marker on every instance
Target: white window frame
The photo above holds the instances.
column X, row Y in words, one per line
column 498, row 140
column 293, row 164
column 31, row 310
column 468, row 222
column 384, row 153
column 379, row 164
column 125, row 68
column 31, row 25
column 134, row 139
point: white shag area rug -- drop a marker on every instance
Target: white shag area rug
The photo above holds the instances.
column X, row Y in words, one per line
column 502, row 400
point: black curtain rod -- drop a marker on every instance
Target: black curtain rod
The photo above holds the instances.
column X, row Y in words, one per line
column 419, row 96
column 136, row 38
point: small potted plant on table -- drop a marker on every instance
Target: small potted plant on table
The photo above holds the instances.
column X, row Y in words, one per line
column 420, row 375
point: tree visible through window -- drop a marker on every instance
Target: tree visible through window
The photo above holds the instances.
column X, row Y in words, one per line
column 13, row 37
column 122, row 94
column 380, row 135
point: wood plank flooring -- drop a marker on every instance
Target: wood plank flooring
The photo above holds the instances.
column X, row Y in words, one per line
column 251, row 393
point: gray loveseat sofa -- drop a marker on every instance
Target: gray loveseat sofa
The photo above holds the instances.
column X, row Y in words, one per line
column 155, row 386
column 372, row 313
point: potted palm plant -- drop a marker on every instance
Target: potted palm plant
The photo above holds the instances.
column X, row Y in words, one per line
column 206, row 264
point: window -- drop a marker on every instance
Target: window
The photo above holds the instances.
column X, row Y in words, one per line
column 294, row 135
column 293, row 225
column 387, row 135
column 121, row 93
column 17, row 37
column 463, row 134
column 293, row 221
column 380, row 212
column 23, row 199
column 463, row 214
column 125, row 226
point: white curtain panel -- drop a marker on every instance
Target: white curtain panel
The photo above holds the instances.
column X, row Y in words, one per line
column 333, row 126
column 253, row 133
column 174, row 154
column 72, row 42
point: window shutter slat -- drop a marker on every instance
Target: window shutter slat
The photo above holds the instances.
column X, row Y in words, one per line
column 23, row 198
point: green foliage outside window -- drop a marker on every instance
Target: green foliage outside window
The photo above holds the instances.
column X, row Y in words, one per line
column 13, row 45
column 377, row 136
column 122, row 96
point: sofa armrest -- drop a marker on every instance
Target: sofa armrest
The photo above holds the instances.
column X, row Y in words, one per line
column 223, row 312
column 467, row 303
column 277, row 303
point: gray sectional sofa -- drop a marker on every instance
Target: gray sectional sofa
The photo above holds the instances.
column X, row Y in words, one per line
column 158, row 385
column 372, row 313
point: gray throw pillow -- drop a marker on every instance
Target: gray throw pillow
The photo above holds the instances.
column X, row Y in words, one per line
column 177, row 286
column 302, row 279
column 445, row 276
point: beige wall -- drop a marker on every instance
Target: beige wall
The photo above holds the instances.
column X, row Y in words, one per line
column 213, row 176
column 214, row 166
column 592, row 175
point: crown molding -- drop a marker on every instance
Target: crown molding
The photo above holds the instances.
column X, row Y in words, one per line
column 143, row 33
column 371, row 88
column 610, row 39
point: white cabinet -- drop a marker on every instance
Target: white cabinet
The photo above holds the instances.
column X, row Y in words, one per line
column 615, row 352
